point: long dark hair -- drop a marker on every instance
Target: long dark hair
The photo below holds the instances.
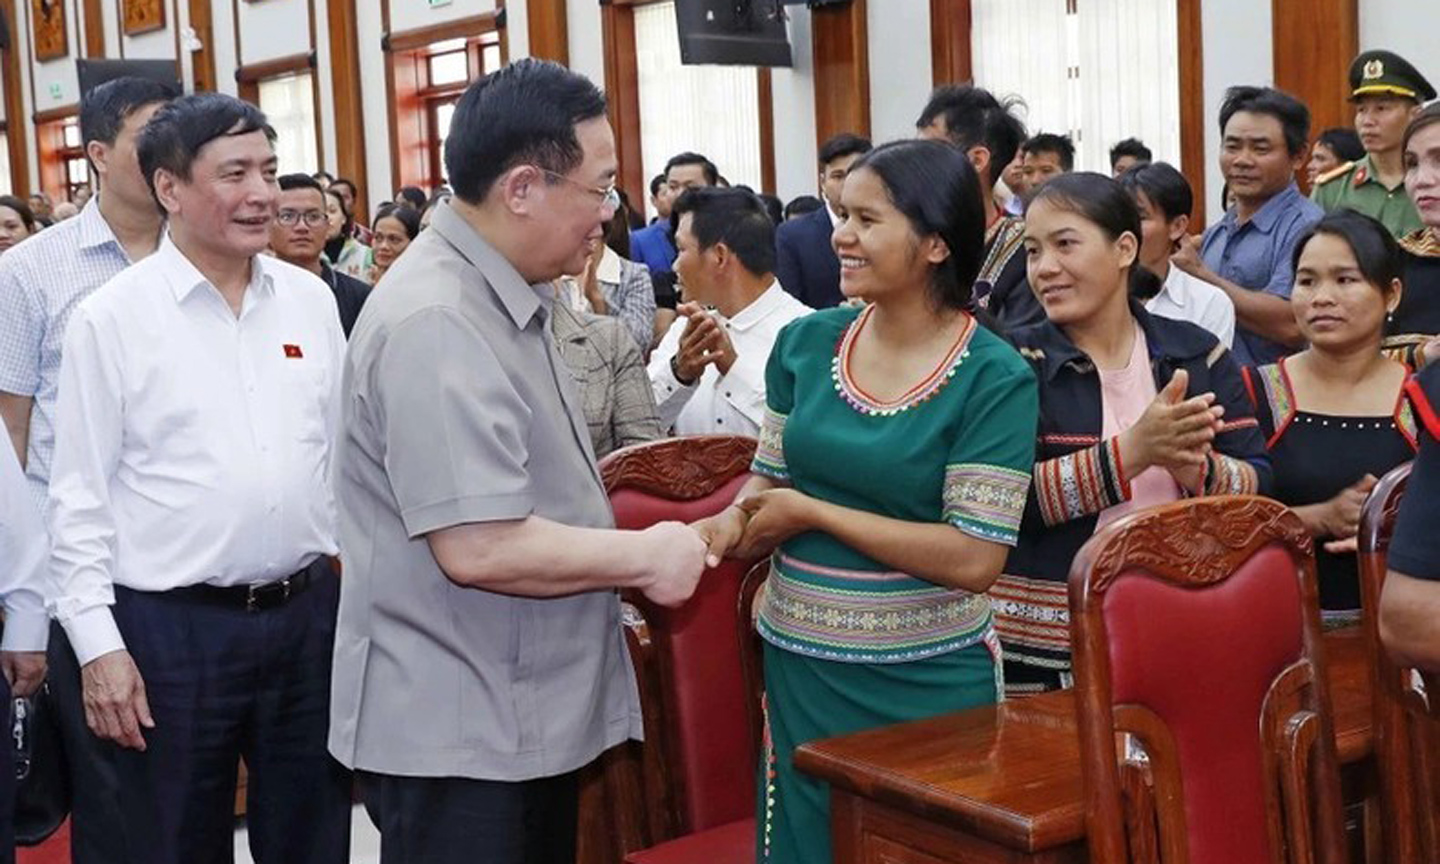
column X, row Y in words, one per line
column 938, row 191
column 1107, row 204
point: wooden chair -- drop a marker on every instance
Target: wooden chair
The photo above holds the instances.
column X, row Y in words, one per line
column 1405, row 729
column 1196, row 630
column 697, row 685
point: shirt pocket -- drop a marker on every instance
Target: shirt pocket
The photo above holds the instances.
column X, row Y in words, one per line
column 305, row 401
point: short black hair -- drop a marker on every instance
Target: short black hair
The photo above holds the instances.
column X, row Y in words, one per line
column 413, row 195
column 1343, row 142
column 1292, row 114
column 844, row 144
column 734, row 217
column 656, row 183
column 1165, row 188
column 347, row 183
column 178, row 132
column 404, row 215
column 22, row 209
column 329, row 178
column 712, row 174
column 298, row 181
column 525, row 112
column 1376, row 252
column 1049, row 142
column 1132, row 147
column 974, row 117
column 105, row 108
column 802, row 205
column 938, row 191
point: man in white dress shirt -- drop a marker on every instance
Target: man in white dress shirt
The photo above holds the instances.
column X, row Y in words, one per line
column 1164, row 198
column 191, row 516
column 22, row 591
column 41, row 283
column 709, row 372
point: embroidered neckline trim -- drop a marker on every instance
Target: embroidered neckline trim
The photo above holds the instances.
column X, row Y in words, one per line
column 863, row 402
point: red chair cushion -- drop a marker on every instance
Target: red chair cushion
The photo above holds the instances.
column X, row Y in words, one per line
column 733, row 843
column 1203, row 660
column 707, row 725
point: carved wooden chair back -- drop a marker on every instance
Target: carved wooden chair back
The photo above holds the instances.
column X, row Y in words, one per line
column 1405, row 729
column 1196, row 631
column 699, row 758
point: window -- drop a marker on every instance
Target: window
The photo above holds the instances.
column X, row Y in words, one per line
column 1097, row 70
column 6, row 184
column 428, row 82
column 712, row 110
column 63, row 166
column 289, row 103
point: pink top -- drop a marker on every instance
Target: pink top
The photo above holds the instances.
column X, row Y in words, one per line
column 1124, row 396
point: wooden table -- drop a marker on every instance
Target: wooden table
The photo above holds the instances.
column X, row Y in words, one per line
column 1002, row 783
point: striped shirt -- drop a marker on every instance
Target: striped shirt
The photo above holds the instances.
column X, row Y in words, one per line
column 42, row 280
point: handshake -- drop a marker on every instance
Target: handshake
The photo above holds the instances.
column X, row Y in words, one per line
column 751, row 527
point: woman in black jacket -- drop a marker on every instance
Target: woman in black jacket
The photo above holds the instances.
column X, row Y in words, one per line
column 1135, row 410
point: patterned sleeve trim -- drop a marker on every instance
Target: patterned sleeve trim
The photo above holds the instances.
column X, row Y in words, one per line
column 1226, row 475
column 986, row 501
column 1081, row 483
column 770, row 452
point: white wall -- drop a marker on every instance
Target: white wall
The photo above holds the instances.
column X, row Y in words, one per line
column 274, row 29
column 325, row 80
column 1407, row 27
column 587, row 48
column 793, row 94
column 59, row 73
column 900, row 67
column 409, row 14
column 1232, row 55
column 373, row 100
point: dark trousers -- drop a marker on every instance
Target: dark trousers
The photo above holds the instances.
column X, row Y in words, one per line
column 225, row 683
column 453, row 820
column 97, row 827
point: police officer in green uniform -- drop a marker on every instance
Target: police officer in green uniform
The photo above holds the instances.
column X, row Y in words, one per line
column 1387, row 91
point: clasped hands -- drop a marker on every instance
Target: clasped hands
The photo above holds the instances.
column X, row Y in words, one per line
column 755, row 524
column 702, row 342
column 1174, row 433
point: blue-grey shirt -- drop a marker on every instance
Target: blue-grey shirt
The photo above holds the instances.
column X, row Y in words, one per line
column 1257, row 256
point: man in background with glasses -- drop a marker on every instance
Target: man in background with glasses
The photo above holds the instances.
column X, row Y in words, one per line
column 297, row 236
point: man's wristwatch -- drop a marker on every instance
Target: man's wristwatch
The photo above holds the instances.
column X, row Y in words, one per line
column 675, row 370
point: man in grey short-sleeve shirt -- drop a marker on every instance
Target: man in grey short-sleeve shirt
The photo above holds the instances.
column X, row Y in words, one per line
column 479, row 657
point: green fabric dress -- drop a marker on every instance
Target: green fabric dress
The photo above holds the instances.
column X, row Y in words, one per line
column 850, row 644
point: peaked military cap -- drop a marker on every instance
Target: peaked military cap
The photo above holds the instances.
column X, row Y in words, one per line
column 1388, row 72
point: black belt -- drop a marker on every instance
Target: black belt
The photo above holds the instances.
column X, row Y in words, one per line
column 256, row 598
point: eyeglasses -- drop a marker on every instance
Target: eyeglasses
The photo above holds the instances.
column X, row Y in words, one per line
column 313, row 218
column 609, row 195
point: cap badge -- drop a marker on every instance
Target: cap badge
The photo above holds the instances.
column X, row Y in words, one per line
column 1374, row 69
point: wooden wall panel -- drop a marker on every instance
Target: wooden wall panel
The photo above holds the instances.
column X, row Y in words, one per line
column 1192, row 104
column 349, row 113
column 950, row 57
column 203, row 23
column 1315, row 40
column 94, row 18
column 17, row 124
column 549, row 30
column 622, row 92
column 841, row 51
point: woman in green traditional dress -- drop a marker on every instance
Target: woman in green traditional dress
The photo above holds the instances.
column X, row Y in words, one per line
column 890, row 478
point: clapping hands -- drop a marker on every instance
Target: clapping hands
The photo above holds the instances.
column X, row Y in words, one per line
column 1174, row 433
